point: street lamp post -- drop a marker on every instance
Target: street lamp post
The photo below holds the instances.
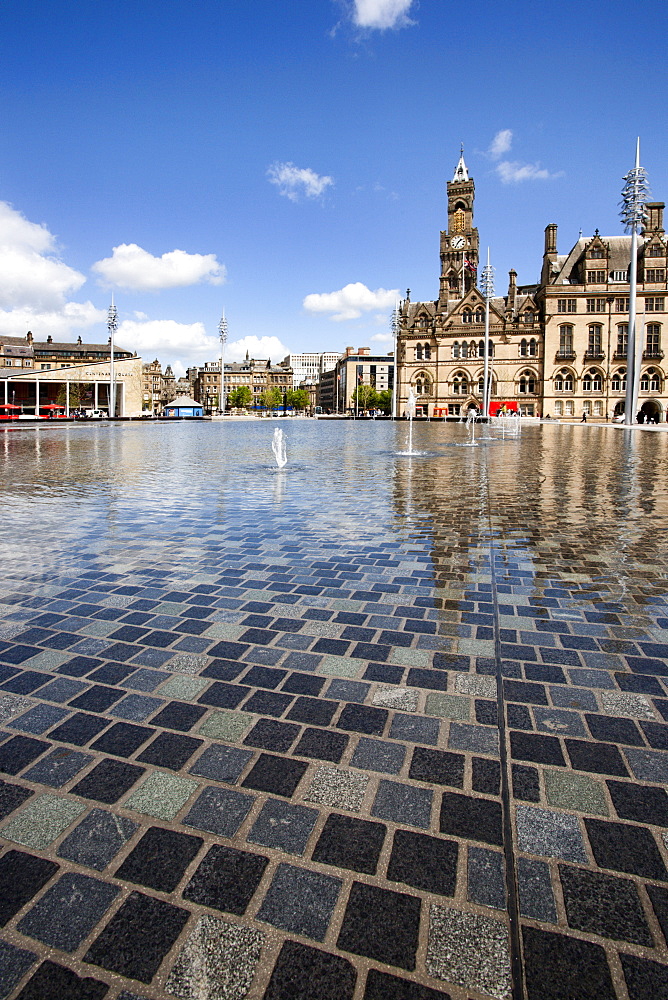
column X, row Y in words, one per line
column 395, row 334
column 634, row 196
column 487, row 288
column 222, row 333
column 112, row 326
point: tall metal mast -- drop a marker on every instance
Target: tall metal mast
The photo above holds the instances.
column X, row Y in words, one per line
column 112, row 326
column 487, row 289
column 222, row 334
column 633, row 213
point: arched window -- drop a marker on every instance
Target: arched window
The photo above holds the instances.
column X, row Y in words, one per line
column 533, row 348
column 618, row 383
column 650, row 381
column 566, row 340
column 622, row 338
column 460, row 384
column 481, row 385
column 524, row 347
column 595, row 338
column 592, row 381
column 558, row 408
column 423, row 384
column 653, row 345
column 427, row 352
column 527, row 318
column 467, row 316
column 418, row 352
column 456, row 349
column 480, row 315
column 465, row 348
column 563, row 381
column 527, row 383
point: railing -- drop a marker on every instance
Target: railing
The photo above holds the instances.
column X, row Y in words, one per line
column 565, row 356
column 654, row 354
column 594, row 355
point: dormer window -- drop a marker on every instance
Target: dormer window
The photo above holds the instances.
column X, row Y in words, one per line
column 655, row 251
column 597, row 253
column 480, row 315
column 528, row 317
column 467, row 316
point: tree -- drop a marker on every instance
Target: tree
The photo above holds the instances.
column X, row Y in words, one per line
column 298, row 398
column 240, row 397
column 365, row 396
column 384, row 401
column 271, row 398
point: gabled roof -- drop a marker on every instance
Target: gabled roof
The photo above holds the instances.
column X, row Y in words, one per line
column 619, row 256
column 184, row 401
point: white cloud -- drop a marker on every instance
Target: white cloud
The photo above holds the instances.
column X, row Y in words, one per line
column 59, row 323
column 136, row 269
column 515, row 172
column 257, row 347
column 166, row 336
column 382, row 14
column 500, row 144
column 383, row 338
column 293, row 181
column 350, row 302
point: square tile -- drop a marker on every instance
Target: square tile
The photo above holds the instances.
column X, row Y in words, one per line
column 226, row 725
column 170, row 750
column 159, row 859
column 423, row 862
column 58, row 767
column 283, row 826
column 645, row 980
column 378, row 755
column 345, row 690
column 535, row 890
column 401, row 803
column 179, row 715
column 19, row 751
column 550, row 833
column 222, row 695
column 605, row 905
column 268, row 734
column 567, row 790
column 382, row 986
column 220, row 811
column 300, row 901
column 622, row 847
column 471, row 818
column 350, row 843
column 381, row 925
column 21, row 877
column 339, row 789
column 476, row 739
column 275, row 774
column 97, row 839
column 642, row 803
column 437, row 767
column 321, row 744
column 138, row 937
column 485, row 968
column 97, row 698
column 222, row 955
column 68, row 911
column 161, row 795
column 11, row 797
column 123, row 739
column 537, row 748
column 39, row 719
column 14, row 963
column 222, row 763
column 41, row 821
column 136, row 707
column 486, row 884
column 363, row 719
column 554, row 964
column 298, row 683
column 226, row 879
column 415, row 729
column 53, row 982
column 108, row 781
column 303, row 973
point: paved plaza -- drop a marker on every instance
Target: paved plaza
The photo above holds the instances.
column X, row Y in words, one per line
column 371, row 727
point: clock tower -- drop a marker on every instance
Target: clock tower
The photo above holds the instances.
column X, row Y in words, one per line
column 459, row 243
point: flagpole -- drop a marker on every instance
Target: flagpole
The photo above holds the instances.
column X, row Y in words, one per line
column 487, row 287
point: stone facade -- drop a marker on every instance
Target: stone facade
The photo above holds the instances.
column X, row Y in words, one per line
column 556, row 348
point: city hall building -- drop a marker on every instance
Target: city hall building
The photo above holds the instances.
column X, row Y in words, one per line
column 557, row 348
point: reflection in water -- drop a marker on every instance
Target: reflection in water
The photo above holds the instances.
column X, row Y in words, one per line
column 556, row 502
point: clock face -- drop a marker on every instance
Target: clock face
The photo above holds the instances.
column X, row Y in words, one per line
column 457, row 242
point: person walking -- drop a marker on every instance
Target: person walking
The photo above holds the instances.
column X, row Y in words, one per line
column 584, row 417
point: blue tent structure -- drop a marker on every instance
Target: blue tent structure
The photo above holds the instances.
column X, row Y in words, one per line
column 184, row 406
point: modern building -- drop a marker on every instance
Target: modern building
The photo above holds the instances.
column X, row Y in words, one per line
column 557, row 347
column 309, row 367
column 358, row 367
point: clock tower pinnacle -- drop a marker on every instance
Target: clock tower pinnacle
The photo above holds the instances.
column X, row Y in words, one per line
column 459, row 243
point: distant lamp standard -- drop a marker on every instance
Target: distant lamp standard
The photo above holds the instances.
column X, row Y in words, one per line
column 634, row 196
column 487, row 288
column 394, row 326
column 222, row 334
column 112, row 326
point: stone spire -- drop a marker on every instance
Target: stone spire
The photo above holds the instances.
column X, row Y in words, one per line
column 461, row 170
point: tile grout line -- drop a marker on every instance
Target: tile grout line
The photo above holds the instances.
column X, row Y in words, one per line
column 510, row 861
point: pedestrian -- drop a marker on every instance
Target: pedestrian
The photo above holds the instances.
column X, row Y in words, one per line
column 584, row 417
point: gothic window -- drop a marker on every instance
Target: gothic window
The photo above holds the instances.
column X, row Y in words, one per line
column 527, row 383
column 465, row 348
column 528, row 317
column 533, row 348
column 418, row 352
column 460, row 384
column 655, row 251
column 595, row 338
column 592, row 381
column 565, row 339
column 622, row 338
column 481, row 385
column 619, row 380
column 524, row 348
column 597, row 253
column 423, row 384
column 427, row 352
column 653, row 338
column 563, row 381
column 456, row 349
column 558, row 408
column 467, row 316
column 480, row 315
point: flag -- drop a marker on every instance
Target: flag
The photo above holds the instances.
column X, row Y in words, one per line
column 470, row 266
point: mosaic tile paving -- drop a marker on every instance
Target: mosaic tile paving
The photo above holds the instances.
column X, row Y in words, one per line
column 373, row 727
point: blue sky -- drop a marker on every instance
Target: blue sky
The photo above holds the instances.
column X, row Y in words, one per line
column 286, row 160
